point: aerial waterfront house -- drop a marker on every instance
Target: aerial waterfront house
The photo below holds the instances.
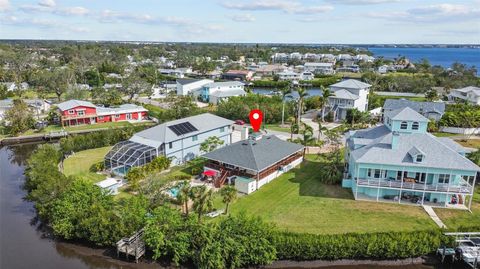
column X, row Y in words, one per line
column 218, row 91
column 400, row 162
column 77, row 112
column 348, row 94
column 242, row 75
column 430, row 110
column 179, row 140
column 249, row 164
column 470, row 95
column 288, row 75
column 320, row 68
column 191, row 86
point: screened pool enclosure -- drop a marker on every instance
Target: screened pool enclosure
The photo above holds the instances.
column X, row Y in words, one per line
column 127, row 154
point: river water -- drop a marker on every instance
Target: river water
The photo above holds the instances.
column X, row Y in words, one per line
column 24, row 245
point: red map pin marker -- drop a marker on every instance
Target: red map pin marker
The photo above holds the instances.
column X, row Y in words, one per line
column 256, row 117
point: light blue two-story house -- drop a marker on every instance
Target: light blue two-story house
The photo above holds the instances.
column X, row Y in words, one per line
column 400, row 162
column 178, row 140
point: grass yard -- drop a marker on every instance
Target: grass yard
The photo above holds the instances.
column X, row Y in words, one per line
column 298, row 202
column 56, row 128
column 276, row 127
column 456, row 218
column 79, row 164
column 440, row 134
column 469, row 143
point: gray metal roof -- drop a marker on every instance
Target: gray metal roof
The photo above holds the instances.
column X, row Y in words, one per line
column 185, row 81
column 162, row 134
column 351, row 84
column 73, row 103
column 255, row 155
column 438, row 153
column 420, row 107
column 224, row 84
column 344, row 94
column 228, row 93
column 405, row 114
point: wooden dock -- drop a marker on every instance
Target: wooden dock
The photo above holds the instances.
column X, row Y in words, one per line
column 132, row 246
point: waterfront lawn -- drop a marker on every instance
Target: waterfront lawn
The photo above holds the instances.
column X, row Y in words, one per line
column 106, row 125
column 298, row 202
column 469, row 143
column 78, row 165
column 456, row 218
column 440, row 134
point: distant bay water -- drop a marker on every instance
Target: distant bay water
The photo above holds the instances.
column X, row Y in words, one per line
column 436, row 56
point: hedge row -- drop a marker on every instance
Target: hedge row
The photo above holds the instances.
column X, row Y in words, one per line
column 392, row 245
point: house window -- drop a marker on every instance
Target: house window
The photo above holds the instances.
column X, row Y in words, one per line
column 80, row 113
column 71, row 112
column 129, row 116
column 415, row 126
column 443, row 178
column 419, row 158
column 403, row 125
column 100, row 118
column 375, row 173
column 117, row 116
column 195, row 138
column 170, row 145
column 222, row 129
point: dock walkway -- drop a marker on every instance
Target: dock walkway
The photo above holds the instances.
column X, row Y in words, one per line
column 434, row 216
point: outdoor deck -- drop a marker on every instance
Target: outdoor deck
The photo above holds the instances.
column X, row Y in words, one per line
column 464, row 188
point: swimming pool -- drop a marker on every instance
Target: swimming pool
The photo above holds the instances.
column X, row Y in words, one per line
column 173, row 191
column 120, row 171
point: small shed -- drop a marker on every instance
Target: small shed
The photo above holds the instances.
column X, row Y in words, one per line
column 245, row 185
column 110, row 184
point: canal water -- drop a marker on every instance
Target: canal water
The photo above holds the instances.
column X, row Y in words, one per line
column 24, row 245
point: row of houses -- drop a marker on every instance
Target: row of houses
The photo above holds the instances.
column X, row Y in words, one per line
column 330, row 58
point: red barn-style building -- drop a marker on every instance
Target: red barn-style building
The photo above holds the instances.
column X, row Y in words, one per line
column 77, row 112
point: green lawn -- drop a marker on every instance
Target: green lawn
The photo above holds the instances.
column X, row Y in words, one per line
column 440, row 134
column 276, row 127
column 469, row 143
column 298, row 202
column 79, row 164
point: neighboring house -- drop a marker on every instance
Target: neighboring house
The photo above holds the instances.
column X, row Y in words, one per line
column 252, row 163
column 468, row 94
column 218, row 91
column 11, row 86
column 191, row 86
column 320, row 68
column 76, row 112
column 400, row 162
column 348, row 94
column 349, row 68
column 243, row 75
column 430, row 110
column 306, row 75
column 37, row 106
column 173, row 72
column 383, row 69
column 179, row 140
column 288, row 75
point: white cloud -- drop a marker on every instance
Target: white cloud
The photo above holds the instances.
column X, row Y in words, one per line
column 362, row 2
column 47, row 3
column 282, row 5
column 4, row 5
column 438, row 13
column 243, row 18
column 78, row 11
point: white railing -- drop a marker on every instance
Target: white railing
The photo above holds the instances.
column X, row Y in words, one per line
column 462, row 188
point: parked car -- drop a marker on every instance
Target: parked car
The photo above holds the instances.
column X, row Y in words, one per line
column 239, row 122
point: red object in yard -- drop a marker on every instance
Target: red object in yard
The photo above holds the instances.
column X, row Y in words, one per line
column 209, row 173
column 239, row 122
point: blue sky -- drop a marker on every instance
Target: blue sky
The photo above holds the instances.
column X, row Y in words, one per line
column 292, row 21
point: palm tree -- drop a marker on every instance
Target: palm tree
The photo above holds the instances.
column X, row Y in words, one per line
column 302, row 93
column 184, row 195
column 284, row 91
column 307, row 137
column 293, row 130
column 202, row 200
column 321, row 130
column 229, row 194
column 326, row 93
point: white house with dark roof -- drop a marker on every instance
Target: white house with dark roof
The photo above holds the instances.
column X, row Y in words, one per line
column 179, row 140
column 468, row 94
column 191, row 86
column 217, row 91
column 320, row 68
column 253, row 162
column 348, row 94
column 400, row 162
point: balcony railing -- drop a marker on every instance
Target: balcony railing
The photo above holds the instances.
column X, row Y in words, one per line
column 72, row 117
column 460, row 188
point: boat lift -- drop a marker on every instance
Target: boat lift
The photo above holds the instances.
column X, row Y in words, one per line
column 467, row 250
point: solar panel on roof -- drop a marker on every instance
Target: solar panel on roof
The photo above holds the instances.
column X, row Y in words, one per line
column 182, row 128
